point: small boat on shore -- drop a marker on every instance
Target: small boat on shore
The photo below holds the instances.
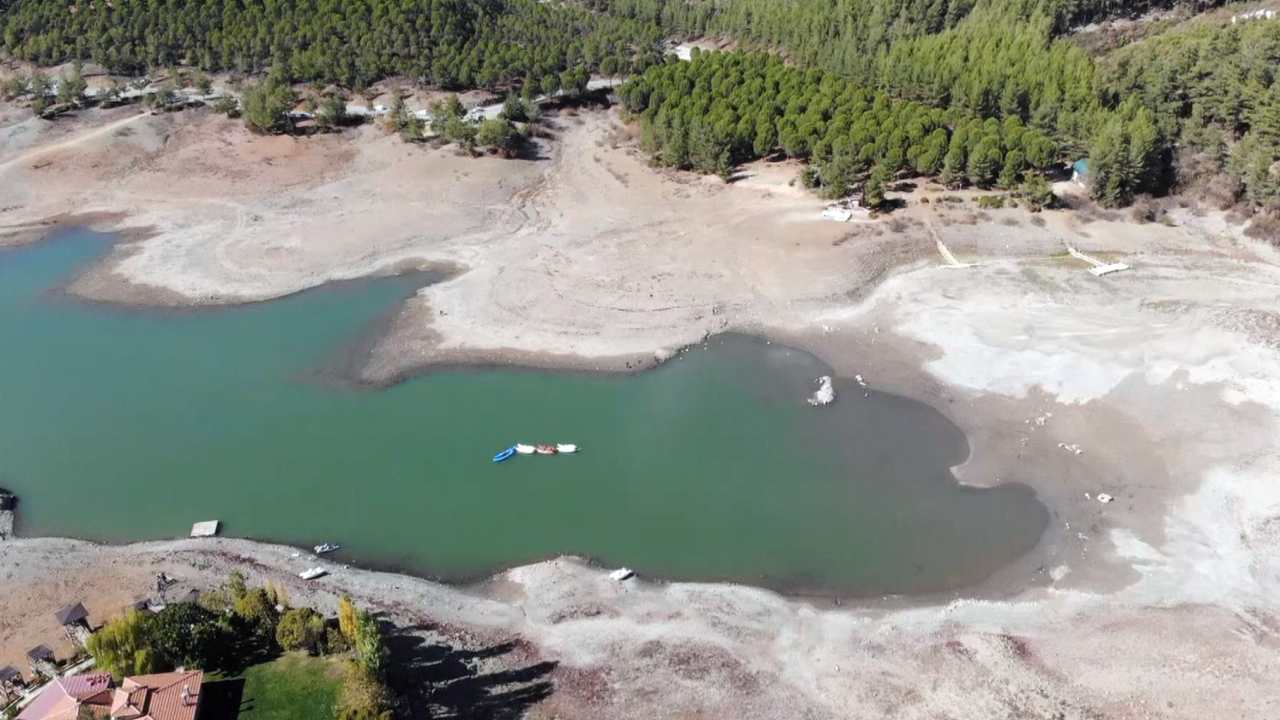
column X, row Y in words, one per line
column 313, row 573
column 505, row 454
column 544, row 449
column 522, row 449
column 566, row 448
column 326, row 548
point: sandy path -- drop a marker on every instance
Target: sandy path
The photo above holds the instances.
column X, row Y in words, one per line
column 75, row 141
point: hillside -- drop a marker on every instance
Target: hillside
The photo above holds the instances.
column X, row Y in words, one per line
column 1189, row 104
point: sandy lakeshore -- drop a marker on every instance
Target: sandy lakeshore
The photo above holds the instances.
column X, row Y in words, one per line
column 1158, row 387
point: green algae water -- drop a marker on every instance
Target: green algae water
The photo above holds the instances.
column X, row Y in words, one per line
column 122, row 424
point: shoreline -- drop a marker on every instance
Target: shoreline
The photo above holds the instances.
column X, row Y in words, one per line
column 1157, row 386
column 1028, row 571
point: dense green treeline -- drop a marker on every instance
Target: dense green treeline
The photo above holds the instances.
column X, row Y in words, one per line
column 1215, row 91
column 1203, row 95
column 725, row 108
column 1199, row 99
column 449, row 43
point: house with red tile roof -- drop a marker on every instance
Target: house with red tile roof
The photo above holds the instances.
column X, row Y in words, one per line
column 162, row 696
column 63, row 698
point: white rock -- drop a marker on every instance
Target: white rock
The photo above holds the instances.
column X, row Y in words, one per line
column 825, row 394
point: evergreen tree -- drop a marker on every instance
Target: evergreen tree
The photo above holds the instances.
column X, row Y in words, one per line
column 873, row 190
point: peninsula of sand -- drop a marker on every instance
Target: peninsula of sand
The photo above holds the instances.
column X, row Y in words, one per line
column 1158, row 387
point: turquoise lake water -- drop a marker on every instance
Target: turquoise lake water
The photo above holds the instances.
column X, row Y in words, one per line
column 121, row 424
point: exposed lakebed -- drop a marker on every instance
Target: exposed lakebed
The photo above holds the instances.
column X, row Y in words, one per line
column 124, row 424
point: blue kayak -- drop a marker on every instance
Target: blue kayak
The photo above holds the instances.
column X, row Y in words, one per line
column 505, row 454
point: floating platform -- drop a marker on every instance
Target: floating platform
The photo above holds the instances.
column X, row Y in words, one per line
column 208, row 528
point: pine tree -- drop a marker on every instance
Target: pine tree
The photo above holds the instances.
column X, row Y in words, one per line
column 984, row 163
column 873, row 190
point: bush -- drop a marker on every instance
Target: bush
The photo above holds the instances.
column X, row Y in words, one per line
column 301, row 629
column 500, row 135
column 1146, row 209
column 187, row 635
column 227, row 105
column 335, row 643
column 1037, row 192
column 991, row 202
column 266, row 105
column 363, row 697
column 809, row 177
column 1265, row 226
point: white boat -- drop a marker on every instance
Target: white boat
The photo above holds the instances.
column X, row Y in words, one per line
column 523, row 449
column 326, row 548
column 313, row 573
column 622, row 574
column 566, row 448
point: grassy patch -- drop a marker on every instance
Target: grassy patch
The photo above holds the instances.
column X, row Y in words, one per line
column 294, row 686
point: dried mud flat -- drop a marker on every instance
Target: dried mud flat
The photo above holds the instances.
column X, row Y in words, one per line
column 1159, row 387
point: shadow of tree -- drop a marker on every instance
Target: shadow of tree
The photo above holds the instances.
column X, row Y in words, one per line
column 222, row 699
column 439, row 681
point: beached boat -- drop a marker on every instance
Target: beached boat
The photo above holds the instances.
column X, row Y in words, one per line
column 544, row 449
column 621, row 574
column 313, row 573
column 326, row 548
column 566, row 448
column 504, row 455
column 523, row 449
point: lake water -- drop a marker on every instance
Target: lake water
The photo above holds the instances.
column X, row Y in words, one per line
column 122, row 424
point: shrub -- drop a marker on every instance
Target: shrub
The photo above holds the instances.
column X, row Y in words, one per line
column 809, row 177
column 363, row 697
column 301, row 629
column 1037, row 192
column 500, row 135
column 1265, row 226
column 266, row 105
column 227, row 105
column 1146, row 209
column 991, row 202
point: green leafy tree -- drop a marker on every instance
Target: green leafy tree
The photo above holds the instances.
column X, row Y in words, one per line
column 265, row 106
column 1010, row 175
column 370, row 646
column 500, row 135
column 550, row 85
column 123, row 646
column 332, row 111
column 301, row 629
column 72, row 85
column 873, row 190
column 514, row 109
column 1109, row 165
column 188, row 635
column 984, row 163
column 1037, row 192
column 39, row 87
column 257, row 615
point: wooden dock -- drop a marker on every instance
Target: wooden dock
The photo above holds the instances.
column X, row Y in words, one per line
column 208, row 528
